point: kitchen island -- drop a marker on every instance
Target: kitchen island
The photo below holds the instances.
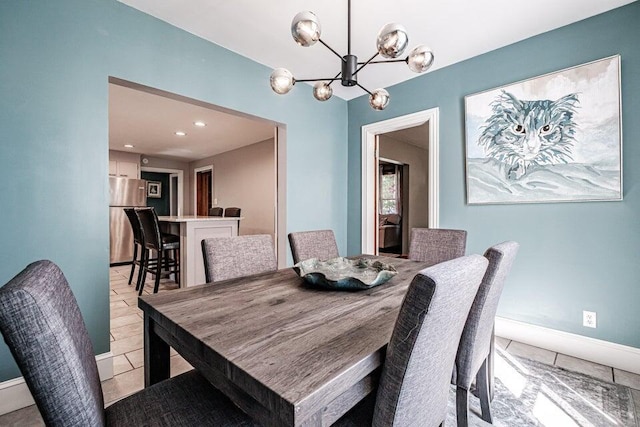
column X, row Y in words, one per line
column 192, row 229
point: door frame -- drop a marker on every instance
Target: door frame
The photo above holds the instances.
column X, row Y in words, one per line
column 370, row 132
column 180, row 174
column 195, row 187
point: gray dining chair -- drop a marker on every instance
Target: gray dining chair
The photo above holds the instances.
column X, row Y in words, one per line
column 435, row 245
column 313, row 244
column 475, row 350
column 239, row 256
column 415, row 380
column 41, row 323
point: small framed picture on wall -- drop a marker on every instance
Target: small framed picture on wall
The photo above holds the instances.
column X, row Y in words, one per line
column 154, row 189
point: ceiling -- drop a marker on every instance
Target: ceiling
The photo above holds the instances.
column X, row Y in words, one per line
column 417, row 135
column 149, row 121
column 455, row 29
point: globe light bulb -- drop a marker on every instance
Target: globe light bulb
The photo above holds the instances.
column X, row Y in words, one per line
column 305, row 28
column 281, row 81
column 322, row 91
column 379, row 99
column 420, row 59
column 392, row 40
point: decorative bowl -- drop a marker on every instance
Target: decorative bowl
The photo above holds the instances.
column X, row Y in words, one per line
column 344, row 273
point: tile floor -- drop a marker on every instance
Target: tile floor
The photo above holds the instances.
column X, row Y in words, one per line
column 126, row 346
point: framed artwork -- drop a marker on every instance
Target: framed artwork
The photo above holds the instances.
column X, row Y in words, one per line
column 553, row 138
column 154, row 189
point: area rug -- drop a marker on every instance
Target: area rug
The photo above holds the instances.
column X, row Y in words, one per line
column 528, row 393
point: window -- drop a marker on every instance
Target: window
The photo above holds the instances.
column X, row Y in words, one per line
column 389, row 189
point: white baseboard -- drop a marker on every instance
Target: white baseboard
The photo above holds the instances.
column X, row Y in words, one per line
column 606, row 353
column 14, row 394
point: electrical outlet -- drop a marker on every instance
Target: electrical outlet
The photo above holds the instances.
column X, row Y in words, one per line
column 589, row 319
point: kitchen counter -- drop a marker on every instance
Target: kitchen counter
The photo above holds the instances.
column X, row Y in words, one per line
column 192, row 218
column 192, row 230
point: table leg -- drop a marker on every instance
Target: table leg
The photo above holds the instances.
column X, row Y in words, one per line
column 157, row 365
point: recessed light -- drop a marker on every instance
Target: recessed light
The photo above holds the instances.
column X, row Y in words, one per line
column 200, row 124
column 128, row 146
column 180, row 133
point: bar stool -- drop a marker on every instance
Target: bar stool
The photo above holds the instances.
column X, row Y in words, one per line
column 154, row 240
column 137, row 241
column 217, row 211
column 232, row 212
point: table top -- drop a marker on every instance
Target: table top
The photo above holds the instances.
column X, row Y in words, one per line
column 291, row 347
column 193, row 218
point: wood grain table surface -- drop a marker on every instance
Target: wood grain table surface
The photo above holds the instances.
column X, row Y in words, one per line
column 286, row 353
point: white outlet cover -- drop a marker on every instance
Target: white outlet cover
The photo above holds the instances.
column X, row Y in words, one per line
column 589, row 319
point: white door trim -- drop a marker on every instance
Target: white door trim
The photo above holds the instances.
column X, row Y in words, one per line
column 180, row 174
column 369, row 171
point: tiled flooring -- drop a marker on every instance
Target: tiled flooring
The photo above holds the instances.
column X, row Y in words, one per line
column 126, row 346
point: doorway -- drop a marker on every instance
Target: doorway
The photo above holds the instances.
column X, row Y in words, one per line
column 392, row 205
column 175, row 191
column 426, row 215
column 203, row 197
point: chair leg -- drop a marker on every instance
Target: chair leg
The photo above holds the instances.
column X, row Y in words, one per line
column 133, row 263
column 462, row 406
column 491, row 366
column 161, row 256
column 482, row 384
column 176, row 253
column 145, row 265
column 141, row 268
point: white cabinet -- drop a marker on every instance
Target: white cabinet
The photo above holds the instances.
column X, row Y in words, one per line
column 124, row 169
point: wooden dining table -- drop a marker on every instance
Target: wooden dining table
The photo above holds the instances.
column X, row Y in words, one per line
column 284, row 352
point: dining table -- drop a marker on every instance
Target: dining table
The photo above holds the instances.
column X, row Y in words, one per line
column 287, row 353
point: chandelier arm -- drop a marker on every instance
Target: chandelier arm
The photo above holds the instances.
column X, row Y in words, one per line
column 364, row 89
column 335, row 78
column 388, row 61
column 331, row 49
column 316, row 80
column 364, row 64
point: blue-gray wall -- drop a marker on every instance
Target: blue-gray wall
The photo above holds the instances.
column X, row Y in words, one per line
column 573, row 256
column 55, row 61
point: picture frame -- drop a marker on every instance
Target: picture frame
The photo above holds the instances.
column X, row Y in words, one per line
column 551, row 138
column 154, row 189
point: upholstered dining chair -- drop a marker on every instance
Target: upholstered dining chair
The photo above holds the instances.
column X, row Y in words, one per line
column 42, row 325
column 474, row 352
column 238, row 256
column 313, row 244
column 435, row 245
column 415, row 380
column 217, row 211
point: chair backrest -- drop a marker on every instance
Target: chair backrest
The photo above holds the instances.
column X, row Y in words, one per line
column 313, row 244
column 414, row 385
column 435, row 245
column 42, row 325
column 135, row 225
column 217, row 211
column 476, row 336
column 239, row 256
column 232, row 212
column 150, row 227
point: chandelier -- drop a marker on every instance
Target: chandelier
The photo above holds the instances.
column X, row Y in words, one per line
column 391, row 43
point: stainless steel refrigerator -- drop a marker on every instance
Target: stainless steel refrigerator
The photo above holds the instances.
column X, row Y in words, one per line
column 123, row 193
